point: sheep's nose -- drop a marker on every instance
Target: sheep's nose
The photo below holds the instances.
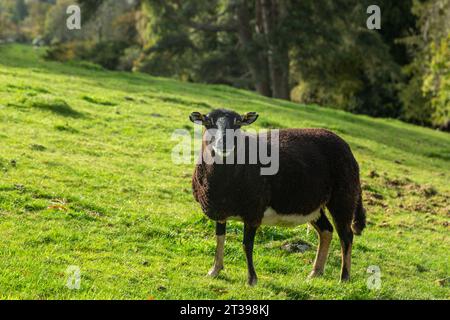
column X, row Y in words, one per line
column 220, row 146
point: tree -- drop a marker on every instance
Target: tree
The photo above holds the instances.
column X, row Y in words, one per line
column 20, row 12
column 55, row 21
column 425, row 96
column 436, row 83
column 34, row 24
column 254, row 27
column 9, row 29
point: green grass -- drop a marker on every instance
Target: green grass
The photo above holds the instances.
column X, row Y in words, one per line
column 86, row 179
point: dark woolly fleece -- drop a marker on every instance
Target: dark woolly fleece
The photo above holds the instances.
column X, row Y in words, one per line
column 317, row 168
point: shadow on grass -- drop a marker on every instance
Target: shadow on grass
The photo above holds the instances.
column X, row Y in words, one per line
column 59, row 107
column 290, row 294
column 96, row 100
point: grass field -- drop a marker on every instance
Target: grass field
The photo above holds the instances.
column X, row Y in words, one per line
column 87, row 180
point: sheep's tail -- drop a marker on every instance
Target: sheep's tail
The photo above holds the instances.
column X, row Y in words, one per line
column 359, row 218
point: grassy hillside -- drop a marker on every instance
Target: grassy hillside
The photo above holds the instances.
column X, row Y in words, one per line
column 86, row 179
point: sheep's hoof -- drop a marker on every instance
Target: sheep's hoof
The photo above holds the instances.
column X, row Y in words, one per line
column 315, row 274
column 345, row 275
column 252, row 281
column 214, row 272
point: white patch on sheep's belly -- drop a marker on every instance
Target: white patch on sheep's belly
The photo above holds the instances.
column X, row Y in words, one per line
column 272, row 218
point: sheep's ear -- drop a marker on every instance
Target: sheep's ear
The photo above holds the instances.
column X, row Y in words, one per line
column 249, row 118
column 197, row 117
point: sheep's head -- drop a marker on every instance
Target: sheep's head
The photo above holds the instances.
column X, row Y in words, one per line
column 221, row 124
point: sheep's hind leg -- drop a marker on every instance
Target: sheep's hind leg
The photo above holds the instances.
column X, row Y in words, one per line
column 325, row 231
column 346, row 235
column 249, row 239
column 342, row 207
column 220, row 240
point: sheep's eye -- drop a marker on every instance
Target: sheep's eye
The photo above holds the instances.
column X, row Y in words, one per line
column 208, row 122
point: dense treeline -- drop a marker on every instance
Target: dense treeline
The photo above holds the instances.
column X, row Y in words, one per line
column 309, row 51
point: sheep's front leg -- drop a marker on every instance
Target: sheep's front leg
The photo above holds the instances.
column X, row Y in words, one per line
column 220, row 239
column 249, row 239
column 325, row 231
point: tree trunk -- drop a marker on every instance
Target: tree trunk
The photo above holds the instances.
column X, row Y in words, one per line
column 280, row 74
column 273, row 12
column 255, row 56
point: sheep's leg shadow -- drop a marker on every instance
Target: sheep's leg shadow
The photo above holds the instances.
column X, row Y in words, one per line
column 220, row 240
column 248, row 241
column 325, row 231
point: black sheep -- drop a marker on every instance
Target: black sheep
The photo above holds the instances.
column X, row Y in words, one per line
column 316, row 170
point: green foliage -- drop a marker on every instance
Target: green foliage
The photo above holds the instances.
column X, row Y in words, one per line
column 33, row 25
column 20, row 12
column 345, row 65
column 65, row 51
column 55, row 21
column 425, row 97
column 416, row 107
column 106, row 54
column 100, row 191
column 177, row 50
column 437, row 82
column 90, row 7
column 8, row 27
column 103, row 39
